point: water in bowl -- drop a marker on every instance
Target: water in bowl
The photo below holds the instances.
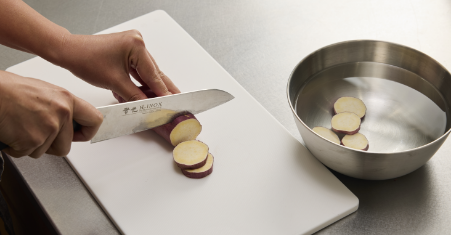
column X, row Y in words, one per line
column 398, row 116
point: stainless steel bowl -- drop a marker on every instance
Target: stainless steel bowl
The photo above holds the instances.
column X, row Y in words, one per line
column 407, row 95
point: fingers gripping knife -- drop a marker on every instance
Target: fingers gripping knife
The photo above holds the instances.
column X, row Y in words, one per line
column 132, row 117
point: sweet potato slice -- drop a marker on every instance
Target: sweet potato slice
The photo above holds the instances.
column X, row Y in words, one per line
column 327, row 134
column 190, row 154
column 183, row 128
column 351, row 105
column 356, row 141
column 347, row 123
column 201, row 172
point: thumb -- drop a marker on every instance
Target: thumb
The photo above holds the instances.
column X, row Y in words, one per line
column 88, row 117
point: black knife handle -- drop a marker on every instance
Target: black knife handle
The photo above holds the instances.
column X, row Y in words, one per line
column 75, row 125
column 3, row 146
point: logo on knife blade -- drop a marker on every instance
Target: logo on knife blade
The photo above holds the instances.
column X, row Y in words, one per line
column 148, row 108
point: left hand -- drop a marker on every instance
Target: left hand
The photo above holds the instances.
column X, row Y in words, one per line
column 108, row 60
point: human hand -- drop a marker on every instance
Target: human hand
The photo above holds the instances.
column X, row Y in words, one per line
column 36, row 117
column 108, row 60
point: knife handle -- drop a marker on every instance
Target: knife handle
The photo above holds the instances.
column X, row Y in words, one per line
column 75, row 125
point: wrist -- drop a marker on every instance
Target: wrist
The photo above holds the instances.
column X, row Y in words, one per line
column 55, row 50
column 7, row 81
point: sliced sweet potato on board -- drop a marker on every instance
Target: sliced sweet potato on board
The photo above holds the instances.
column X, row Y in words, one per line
column 347, row 123
column 201, row 172
column 351, row 105
column 190, row 154
column 327, row 134
column 356, row 141
column 183, row 128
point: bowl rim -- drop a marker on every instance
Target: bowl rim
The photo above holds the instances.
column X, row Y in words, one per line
column 445, row 135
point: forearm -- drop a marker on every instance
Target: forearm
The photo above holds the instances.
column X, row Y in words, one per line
column 105, row 61
column 24, row 29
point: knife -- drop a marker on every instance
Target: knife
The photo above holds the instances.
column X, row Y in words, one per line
column 132, row 117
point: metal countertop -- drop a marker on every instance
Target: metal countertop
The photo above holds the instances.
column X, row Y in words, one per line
column 259, row 42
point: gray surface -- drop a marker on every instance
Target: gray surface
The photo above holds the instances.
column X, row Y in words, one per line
column 259, row 43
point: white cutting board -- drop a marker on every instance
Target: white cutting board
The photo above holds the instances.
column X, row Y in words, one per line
column 264, row 181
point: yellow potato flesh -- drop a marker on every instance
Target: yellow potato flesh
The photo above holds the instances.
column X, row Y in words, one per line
column 351, row 105
column 206, row 167
column 184, row 131
column 356, row 141
column 190, row 152
column 345, row 122
column 327, row 134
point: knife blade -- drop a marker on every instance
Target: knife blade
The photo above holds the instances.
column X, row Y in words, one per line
column 132, row 117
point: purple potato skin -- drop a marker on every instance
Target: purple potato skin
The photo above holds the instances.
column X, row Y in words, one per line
column 198, row 175
column 195, row 166
column 335, row 112
column 166, row 129
column 347, row 132
column 365, row 149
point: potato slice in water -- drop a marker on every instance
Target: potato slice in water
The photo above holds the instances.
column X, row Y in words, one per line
column 347, row 123
column 327, row 134
column 351, row 105
column 201, row 172
column 190, row 154
column 356, row 141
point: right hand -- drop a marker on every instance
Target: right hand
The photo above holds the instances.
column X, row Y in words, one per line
column 36, row 117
